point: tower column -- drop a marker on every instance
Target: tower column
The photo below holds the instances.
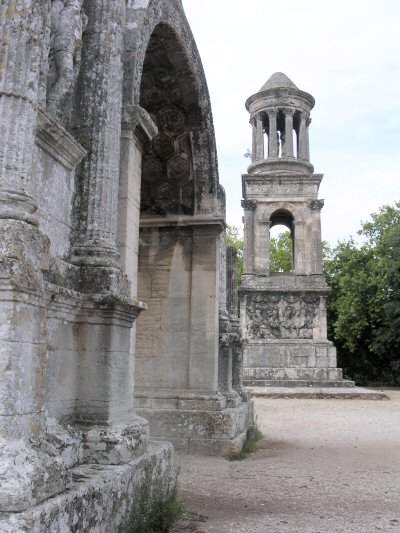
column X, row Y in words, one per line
column 308, row 122
column 287, row 150
column 253, row 123
column 304, row 146
column 259, row 139
column 273, row 136
column 249, row 207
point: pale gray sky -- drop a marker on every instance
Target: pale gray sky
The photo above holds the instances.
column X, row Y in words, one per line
column 347, row 54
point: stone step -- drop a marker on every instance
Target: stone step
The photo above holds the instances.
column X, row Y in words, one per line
column 316, row 393
column 298, row 383
column 311, row 374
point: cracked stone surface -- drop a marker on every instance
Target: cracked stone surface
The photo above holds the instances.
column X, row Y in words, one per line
column 324, row 467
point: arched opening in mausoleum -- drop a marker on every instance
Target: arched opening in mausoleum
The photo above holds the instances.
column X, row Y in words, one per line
column 169, row 93
column 176, row 186
column 281, row 234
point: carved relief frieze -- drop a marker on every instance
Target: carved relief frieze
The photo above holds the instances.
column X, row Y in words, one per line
column 281, row 316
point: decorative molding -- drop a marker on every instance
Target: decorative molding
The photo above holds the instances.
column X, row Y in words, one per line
column 55, row 140
column 135, row 118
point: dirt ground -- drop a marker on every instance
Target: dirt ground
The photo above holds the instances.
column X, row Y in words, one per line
column 325, row 466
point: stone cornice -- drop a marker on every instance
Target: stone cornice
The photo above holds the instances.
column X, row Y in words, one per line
column 55, row 140
column 182, row 221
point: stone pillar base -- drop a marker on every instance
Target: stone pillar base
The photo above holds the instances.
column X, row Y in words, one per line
column 116, row 494
column 197, row 424
column 29, row 475
column 292, row 363
column 115, row 445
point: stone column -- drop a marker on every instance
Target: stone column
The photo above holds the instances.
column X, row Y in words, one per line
column 307, row 148
column 112, row 433
column 225, row 355
column 261, row 244
column 204, row 309
column 253, row 123
column 273, row 135
column 299, row 248
column 231, row 281
column 138, row 130
column 30, row 470
column 249, row 207
column 259, row 139
column 23, row 34
column 287, row 150
column 316, row 240
column 303, row 138
column 237, row 359
column 98, row 127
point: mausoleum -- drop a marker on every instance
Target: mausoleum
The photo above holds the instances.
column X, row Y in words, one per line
column 283, row 314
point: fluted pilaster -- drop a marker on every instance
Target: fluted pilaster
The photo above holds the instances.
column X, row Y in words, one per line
column 99, row 130
column 23, row 33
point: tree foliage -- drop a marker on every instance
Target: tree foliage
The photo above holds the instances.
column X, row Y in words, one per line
column 364, row 307
column 282, row 253
column 234, row 239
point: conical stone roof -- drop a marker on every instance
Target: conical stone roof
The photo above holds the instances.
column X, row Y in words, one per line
column 277, row 81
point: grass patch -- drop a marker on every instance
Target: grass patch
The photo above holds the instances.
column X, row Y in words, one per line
column 254, row 436
column 156, row 511
column 159, row 517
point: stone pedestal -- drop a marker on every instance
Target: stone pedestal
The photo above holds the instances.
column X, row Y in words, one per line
column 30, row 468
column 185, row 366
column 285, row 342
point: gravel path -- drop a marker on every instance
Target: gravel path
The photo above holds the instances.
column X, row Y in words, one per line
column 326, row 466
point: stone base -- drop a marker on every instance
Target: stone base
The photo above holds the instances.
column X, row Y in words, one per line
column 295, row 377
column 316, row 393
column 199, row 425
column 100, row 498
column 115, row 445
column 291, row 363
column 29, row 475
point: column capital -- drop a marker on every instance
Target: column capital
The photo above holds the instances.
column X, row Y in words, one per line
column 249, row 204
column 289, row 111
column 135, row 118
column 316, row 205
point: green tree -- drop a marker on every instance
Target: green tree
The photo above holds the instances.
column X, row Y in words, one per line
column 364, row 306
column 282, row 253
column 234, row 238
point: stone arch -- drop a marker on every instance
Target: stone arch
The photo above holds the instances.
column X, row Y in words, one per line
column 167, row 17
column 170, row 197
column 283, row 217
column 171, row 177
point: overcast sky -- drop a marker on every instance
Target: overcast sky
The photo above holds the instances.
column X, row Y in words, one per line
column 346, row 53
